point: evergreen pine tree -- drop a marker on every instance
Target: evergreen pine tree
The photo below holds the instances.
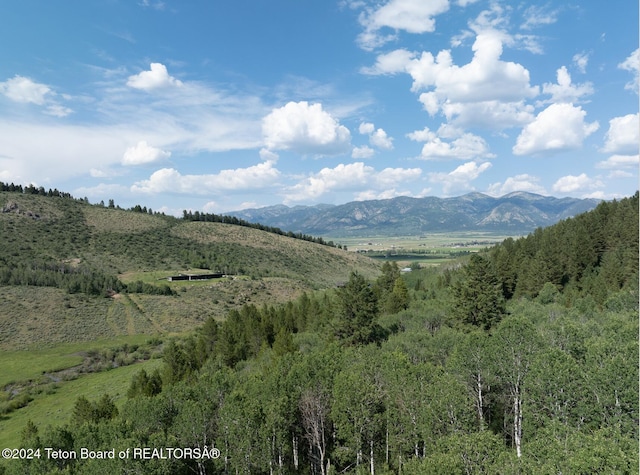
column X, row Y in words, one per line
column 358, row 312
column 478, row 296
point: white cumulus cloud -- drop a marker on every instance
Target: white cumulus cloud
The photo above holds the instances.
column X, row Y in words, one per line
column 465, row 146
column 305, row 128
column 354, row 177
column 27, row 91
column 459, row 179
column 424, row 135
column 486, row 92
column 623, row 136
column 557, row 128
column 412, row 16
column 366, row 128
column 169, row 180
column 523, row 182
column 156, row 78
column 494, row 115
column 380, row 139
column 486, row 77
column 394, row 176
column 362, row 152
column 620, row 161
column 632, row 64
column 377, row 137
column 390, row 63
column 266, row 154
column 573, row 183
column 143, row 153
column 564, row 90
column 342, row 177
column 21, row 89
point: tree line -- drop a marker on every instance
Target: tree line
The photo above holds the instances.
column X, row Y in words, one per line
column 33, row 190
column 218, row 218
column 74, row 279
column 186, row 215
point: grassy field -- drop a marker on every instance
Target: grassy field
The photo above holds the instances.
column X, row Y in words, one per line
column 54, row 407
column 33, row 317
column 273, row 255
column 428, row 241
column 427, row 250
column 32, row 364
column 54, row 378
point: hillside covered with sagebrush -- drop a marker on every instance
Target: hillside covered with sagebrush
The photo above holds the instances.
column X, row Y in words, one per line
column 102, row 271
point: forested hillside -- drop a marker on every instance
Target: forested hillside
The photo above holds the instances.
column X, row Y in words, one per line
column 523, row 359
column 595, row 253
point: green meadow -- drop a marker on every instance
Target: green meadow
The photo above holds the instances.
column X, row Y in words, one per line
column 54, row 405
column 25, row 365
column 425, row 250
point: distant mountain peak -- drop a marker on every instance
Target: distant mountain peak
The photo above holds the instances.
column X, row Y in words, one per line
column 517, row 212
column 524, row 194
column 473, row 195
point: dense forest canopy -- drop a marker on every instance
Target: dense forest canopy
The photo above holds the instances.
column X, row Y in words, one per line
column 522, row 359
column 595, row 253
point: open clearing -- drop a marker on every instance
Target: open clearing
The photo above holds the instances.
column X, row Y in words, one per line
column 53, row 377
column 55, row 406
column 427, row 241
column 429, row 249
column 31, row 364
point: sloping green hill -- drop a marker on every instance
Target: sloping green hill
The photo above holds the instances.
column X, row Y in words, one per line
column 71, row 271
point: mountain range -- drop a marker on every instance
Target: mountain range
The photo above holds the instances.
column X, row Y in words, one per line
column 514, row 213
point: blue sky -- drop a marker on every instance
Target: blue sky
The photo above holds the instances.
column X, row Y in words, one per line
column 219, row 106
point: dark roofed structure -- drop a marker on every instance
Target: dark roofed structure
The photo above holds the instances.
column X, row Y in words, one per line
column 215, row 275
